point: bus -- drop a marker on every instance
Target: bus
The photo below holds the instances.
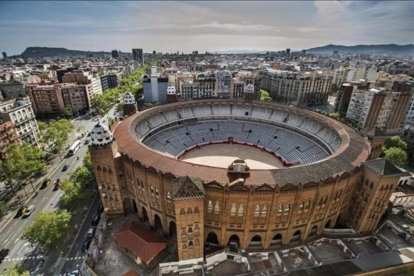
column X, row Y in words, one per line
column 74, row 148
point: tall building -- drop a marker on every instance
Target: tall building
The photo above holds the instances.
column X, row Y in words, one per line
column 75, row 97
column 46, row 99
column 4, row 55
column 223, row 84
column 343, row 97
column 109, row 81
column 155, row 87
column 378, row 107
column 237, row 88
column 138, row 55
column 115, row 53
column 8, row 134
column 365, row 107
column 61, row 72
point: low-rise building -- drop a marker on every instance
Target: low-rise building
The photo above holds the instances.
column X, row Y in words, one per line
column 8, row 134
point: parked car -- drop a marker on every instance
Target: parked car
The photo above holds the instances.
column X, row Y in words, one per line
column 45, row 183
column 86, row 142
column 57, row 185
column 3, row 254
column 90, row 233
column 95, row 219
column 29, row 210
column 75, row 273
column 65, row 167
column 86, row 243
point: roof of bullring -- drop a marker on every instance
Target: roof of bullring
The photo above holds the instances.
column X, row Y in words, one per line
column 382, row 166
column 353, row 151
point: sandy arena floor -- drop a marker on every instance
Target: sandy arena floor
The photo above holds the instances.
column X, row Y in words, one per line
column 222, row 155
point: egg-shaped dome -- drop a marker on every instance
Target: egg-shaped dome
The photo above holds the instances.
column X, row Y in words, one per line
column 101, row 135
column 128, row 98
column 171, row 90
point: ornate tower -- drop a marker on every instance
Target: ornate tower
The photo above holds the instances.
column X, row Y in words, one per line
column 103, row 150
column 189, row 211
column 171, row 94
column 130, row 106
column 379, row 179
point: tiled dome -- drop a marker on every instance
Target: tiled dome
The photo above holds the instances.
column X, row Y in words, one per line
column 101, row 135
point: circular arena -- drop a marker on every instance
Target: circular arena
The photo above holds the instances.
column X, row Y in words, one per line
column 216, row 172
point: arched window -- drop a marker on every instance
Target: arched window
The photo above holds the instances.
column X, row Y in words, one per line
column 196, row 211
column 241, row 210
column 190, row 230
column 233, row 209
column 209, row 206
column 371, row 185
column 257, row 210
column 217, row 208
column 190, row 243
column 189, row 211
column 264, row 211
column 182, row 211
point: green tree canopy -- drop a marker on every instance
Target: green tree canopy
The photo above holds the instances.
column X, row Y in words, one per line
column 72, row 192
column 265, row 96
column 131, row 83
column 396, row 155
column 82, row 176
column 55, row 133
column 16, row 270
column 397, row 142
column 48, row 229
column 21, row 162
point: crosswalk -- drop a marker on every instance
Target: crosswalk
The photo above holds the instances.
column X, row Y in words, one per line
column 22, row 259
column 39, row 257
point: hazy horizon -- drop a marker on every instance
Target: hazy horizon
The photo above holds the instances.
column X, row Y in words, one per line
column 211, row 26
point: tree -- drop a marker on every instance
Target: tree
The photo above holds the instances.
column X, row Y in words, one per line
column 397, row 142
column 72, row 192
column 55, row 133
column 48, row 229
column 82, row 176
column 336, row 115
column 265, row 96
column 396, row 155
column 22, row 161
column 16, row 270
column 87, row 162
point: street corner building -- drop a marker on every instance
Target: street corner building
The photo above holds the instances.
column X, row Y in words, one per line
column 324, row 174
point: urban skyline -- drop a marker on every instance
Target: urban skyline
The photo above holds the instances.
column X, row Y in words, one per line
column 211, row 26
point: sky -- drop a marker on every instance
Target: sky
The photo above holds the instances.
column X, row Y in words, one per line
column 186, row 26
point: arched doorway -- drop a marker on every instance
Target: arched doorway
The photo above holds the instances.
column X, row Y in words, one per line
column 134, row 206
column 328, row 224
column 158, row 224
column 212, row 238
column 127, row 206
column 296, row 236
column 144, row 215
column 313, row 231
column 256, row 241
column 234, row 243
column 277, row 240
column 173, row 230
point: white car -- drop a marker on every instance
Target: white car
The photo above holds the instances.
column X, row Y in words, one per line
column 29, row 210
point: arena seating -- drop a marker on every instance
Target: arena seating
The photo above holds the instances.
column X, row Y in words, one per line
column 294, row 138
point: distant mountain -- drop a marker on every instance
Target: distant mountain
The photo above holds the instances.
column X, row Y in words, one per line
column 38, row 52
column 390, row 49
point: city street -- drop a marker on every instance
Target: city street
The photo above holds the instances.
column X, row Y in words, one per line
column 47, row 200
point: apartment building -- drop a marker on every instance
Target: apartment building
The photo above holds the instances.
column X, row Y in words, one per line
column 75, row 96
column 46, row 99
column 311, row 87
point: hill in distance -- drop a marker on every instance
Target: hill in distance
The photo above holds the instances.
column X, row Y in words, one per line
column 390, row 49
column 39, row 52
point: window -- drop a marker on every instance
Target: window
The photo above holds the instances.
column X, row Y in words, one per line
column 241, row 210
column 210, row 207
column 264, row 211
column 257, row 211
column 217, row 208
column 233, row 209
